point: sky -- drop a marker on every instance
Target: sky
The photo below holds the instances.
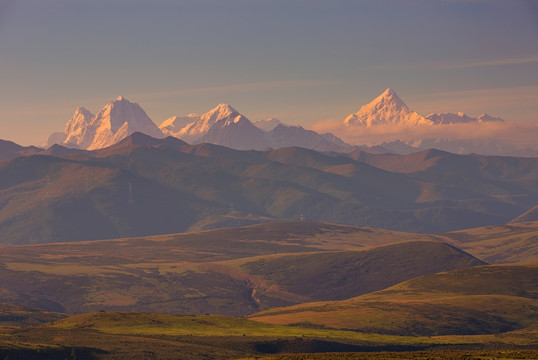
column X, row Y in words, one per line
column 306, row 62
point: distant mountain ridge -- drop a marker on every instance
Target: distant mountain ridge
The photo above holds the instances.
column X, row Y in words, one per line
column 222, row 125
column 389, row 109
column 458, row 118
column 225, row 126
column 145, row 186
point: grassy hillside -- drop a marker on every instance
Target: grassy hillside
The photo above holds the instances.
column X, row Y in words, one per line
column 233, row 271
column 416, row 355
column 111, row 335
column 478, row 300
column 15, row 315
column 512, row 243
column 342, row 275
column 529, row 215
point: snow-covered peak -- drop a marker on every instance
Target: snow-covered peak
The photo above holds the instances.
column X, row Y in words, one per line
column 117, row 120
column 450, row 118
column 459, row 118
column 76, row 128
column 389, row 96
column 267, row 124
column 220, row 112
column 485, row 117
column 80, row 118
column 174, row 124
column 387, row 108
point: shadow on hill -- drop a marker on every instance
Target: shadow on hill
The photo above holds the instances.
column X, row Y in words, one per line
column 63, row 353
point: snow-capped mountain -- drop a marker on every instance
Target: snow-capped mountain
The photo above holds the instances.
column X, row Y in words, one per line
column 74, row 134
column 268, row 124
column 386, row 109
column 77, row 127
column 459, row 118
column 225, row 126
column 173, row 125
column 117, row 120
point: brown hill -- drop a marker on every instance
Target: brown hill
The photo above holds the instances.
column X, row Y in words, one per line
column 479, row 300
column 144, row 186
column 232, row 271
column 10, row 150
column 511, row 243
column 530, row 215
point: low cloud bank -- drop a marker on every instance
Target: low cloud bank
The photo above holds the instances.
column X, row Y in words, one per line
column 520, row 135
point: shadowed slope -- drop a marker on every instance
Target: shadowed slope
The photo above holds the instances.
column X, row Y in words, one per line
column 143, row 186
column 229, row 271
column 478, row 300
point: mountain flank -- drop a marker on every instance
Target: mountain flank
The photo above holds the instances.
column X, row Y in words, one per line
column 144, row 186
column 477, row 300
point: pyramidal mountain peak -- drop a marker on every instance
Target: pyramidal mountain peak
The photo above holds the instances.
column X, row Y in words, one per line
column 220, row 112
column 386, row 109
column 223, row 115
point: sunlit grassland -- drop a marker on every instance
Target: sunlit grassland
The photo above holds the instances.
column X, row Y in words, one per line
column 150, row 324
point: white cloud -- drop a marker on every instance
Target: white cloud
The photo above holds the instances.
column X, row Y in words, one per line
column 518, row 134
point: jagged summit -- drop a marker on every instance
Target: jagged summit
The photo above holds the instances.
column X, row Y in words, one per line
column 220, row 112
column 386, row 109
column 388, row 96
column 221, row 115
column 116, row 120
column 485, row 117
column 173, row 125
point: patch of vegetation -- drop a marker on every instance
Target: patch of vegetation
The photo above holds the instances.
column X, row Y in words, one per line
column 478, row 300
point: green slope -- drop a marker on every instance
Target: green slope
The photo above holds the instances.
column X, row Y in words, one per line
column 511, row 243
column 478, row 300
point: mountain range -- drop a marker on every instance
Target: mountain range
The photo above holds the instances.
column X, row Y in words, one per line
column 145, row 186
column 389, row 109
column 224, row 125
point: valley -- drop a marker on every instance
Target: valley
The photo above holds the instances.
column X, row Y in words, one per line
column 290, row 287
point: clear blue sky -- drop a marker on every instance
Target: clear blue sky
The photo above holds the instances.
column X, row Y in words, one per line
column 301, row 61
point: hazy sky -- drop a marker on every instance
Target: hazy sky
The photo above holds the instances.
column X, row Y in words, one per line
column 302, row 61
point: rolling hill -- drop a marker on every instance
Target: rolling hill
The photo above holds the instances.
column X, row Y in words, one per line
column 479, row 300
column 233, row 271
column 511, row 243
column 144, row 186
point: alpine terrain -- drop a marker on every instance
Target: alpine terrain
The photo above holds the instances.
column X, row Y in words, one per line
column 117, row 120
